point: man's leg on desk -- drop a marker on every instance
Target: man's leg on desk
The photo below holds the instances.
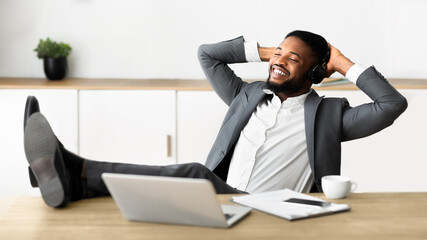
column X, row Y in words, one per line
column 96, row 186
column 63, row 176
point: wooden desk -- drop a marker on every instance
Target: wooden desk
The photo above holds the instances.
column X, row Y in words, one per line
column 373, row 216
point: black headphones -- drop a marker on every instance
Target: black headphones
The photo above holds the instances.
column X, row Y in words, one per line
column 318, row 72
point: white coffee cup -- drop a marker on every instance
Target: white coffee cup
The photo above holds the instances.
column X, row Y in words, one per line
column 335, row 186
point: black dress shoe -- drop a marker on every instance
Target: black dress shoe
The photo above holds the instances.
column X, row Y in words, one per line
column 45, row 159
column 31, row 106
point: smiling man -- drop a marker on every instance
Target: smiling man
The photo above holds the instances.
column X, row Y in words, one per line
column 276, row 134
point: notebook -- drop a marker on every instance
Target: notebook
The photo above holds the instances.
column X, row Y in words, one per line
column 171, row 200
column 277, row 203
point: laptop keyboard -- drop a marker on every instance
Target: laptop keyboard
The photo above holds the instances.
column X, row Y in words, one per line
column 228, row 216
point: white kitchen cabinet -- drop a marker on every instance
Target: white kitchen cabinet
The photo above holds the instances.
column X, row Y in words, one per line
column 392, row 160
column 128, row 126
column 58, row 106
column 199, row 117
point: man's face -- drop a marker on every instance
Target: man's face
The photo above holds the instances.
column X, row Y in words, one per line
column 289, row 66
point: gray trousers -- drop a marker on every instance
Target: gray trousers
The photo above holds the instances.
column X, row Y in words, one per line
column 95, row 185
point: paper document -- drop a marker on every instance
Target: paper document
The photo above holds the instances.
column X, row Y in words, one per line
column 274, row 203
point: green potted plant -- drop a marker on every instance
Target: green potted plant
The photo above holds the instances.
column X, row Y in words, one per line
column 54, row 57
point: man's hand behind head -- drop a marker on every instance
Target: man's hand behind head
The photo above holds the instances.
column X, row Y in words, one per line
column 337, row 62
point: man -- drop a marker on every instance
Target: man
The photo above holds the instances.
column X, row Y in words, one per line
column 276, row 134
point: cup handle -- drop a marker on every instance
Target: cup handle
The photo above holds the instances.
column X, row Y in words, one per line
column 353, row 187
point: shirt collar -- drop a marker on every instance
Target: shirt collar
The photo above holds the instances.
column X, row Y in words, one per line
column 298, row 99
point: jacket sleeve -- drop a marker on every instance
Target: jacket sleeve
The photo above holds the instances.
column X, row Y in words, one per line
column 367, row 119
column 214, row 59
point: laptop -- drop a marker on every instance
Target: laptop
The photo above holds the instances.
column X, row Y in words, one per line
column 171, row 200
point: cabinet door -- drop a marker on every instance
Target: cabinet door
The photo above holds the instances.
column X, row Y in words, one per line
column 392, row 160
column 128, row 126
column 199, row 117
column 58, row 106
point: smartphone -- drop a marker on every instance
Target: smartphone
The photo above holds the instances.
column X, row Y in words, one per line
column 308, row 202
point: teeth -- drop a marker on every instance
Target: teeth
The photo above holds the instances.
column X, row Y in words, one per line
column 279, row 72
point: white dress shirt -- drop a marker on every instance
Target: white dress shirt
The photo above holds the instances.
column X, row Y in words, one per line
column 271, row 152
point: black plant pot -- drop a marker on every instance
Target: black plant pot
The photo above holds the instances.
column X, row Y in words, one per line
column 55, row 68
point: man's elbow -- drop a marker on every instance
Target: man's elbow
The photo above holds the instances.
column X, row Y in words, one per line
column 401, row 105
column 202, row 52
column 396, row 107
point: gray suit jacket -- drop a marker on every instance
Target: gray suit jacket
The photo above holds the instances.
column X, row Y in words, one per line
column 328, row 121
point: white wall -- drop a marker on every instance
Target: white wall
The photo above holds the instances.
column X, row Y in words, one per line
column 159, row 39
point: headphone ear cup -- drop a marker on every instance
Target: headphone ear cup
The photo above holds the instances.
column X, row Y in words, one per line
column 316, row 74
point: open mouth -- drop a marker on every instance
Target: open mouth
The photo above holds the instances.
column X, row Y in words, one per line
column 279, row 72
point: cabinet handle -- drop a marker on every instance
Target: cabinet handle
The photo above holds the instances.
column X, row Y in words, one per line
column 169, row 145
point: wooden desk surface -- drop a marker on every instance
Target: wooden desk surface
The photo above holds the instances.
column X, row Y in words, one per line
column 373, row 216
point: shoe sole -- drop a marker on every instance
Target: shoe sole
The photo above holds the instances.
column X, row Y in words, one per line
column 41, row 149
column 31, row 106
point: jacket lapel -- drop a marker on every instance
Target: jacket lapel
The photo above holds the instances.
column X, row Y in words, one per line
column 310, row 107
column 249, row 107
column 252, row 102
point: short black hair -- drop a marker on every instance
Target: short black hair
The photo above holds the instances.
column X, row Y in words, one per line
column 317, row 43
